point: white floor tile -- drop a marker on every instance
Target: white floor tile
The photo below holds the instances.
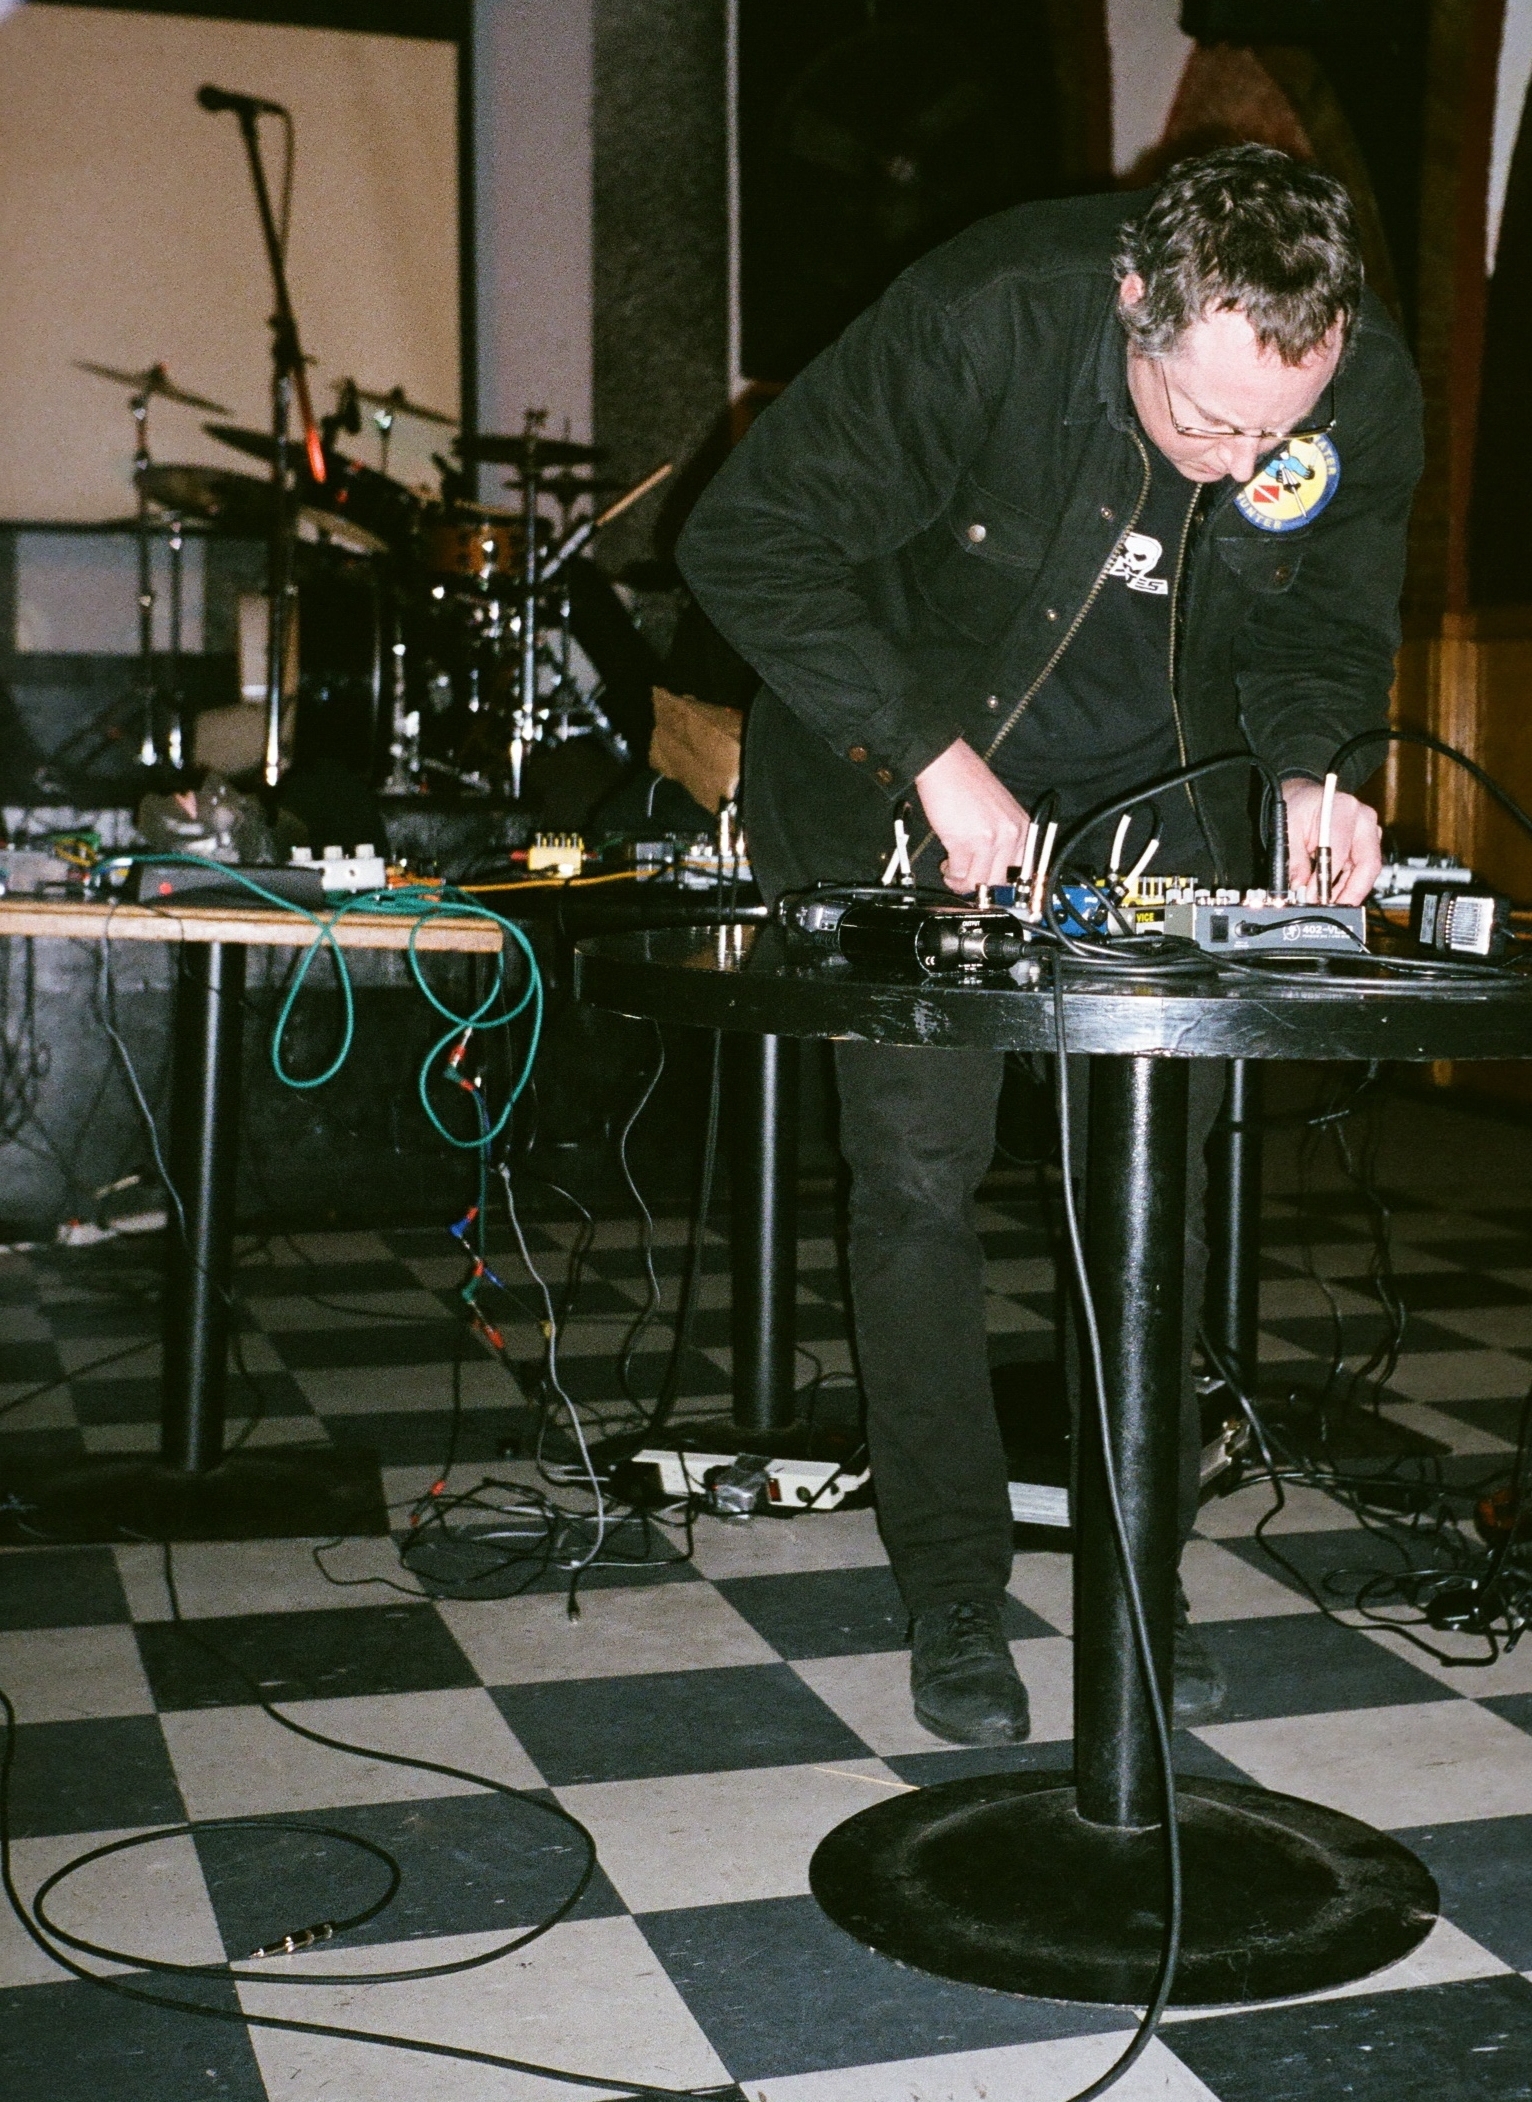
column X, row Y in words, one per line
column 1277, row 1350
column 871, row 1694
column 1510, row 1674
column 622, row 1631
column 217, row 1579
column 1223, row 1586
column 719, row 1839
column 1431, row 1762
column 150, row 1902
column 1460, row 1375
column 73, row 1674
column 782, row 1547
column 1008, row 1317
column 1042, row 2072
column 1452, row 1431
column 1235, row 1517
column 1500, row 1327
column 1019, row 1273
column 75, row 1353
column 52, row 1411
column 235, row 1761
column 1045, row 1583
column 1300, row 1299
column 590, row 1996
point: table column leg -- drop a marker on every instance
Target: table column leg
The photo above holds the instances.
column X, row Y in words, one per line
column 1135, row 1223
column 1232, row 1306
column 1029, row 1882
column 203, row 1161
column 761, row 1109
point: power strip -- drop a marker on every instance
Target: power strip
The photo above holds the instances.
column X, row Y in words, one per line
column 819, row 1484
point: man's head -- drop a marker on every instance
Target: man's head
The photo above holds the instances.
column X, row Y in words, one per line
column 1238, row 287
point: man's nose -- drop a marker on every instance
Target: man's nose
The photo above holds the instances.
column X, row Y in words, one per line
column 1239, row 457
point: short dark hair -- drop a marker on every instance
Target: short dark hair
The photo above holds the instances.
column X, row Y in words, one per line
column 1246, row 228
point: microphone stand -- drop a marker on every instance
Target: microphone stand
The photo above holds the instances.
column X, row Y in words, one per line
column 288, row 377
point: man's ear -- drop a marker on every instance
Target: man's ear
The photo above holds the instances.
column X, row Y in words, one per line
column 1131, row 290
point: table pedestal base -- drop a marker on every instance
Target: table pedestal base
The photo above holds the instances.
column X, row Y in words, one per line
column 281, row 1495
column 999, row 1881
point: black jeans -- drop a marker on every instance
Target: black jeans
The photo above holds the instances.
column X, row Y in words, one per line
column 917, row 1128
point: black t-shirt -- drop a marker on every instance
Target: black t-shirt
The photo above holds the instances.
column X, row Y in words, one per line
column 1103, row 721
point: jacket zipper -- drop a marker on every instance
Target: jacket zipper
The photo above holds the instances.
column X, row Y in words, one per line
column 1073, row 629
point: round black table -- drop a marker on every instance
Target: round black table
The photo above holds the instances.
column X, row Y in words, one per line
column 1022, row 1881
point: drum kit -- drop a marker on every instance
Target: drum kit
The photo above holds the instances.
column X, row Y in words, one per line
column 444, row 632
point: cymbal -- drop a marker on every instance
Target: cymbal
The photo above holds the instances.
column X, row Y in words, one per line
column 504, row 512
column 399, row 404
column 238, row 503
column 154, row 380
column 260, row 445
column 516, row 449
column 333, row 529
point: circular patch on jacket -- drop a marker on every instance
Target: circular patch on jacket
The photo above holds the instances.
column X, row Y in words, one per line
column 1294, row 485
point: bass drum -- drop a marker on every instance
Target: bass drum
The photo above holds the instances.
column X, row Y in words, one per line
column 374, row 501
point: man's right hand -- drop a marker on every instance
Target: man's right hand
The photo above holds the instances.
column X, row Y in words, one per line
column 976, row 818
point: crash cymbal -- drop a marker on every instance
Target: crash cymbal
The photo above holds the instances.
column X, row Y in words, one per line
column 260, row 445
column 331, row 529
column 568, row 488
column 236, row 503
column 471, row 509
column 516, row 449
column 154, row 381
column 398, row 403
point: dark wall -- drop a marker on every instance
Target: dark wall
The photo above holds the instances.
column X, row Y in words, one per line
column 660, row 237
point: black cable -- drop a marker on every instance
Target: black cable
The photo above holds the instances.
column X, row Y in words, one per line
column 1407, row 733
column 686, row 1307
column 1170, row 1947
column 40, row 1934
column 652, row 1295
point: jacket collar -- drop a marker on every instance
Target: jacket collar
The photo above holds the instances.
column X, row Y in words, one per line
column 1102, row 380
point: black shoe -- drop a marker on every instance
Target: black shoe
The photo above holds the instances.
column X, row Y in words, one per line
column 962, row 1676
column 1200, row 1686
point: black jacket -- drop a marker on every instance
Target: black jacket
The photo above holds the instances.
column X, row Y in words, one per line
column 987, row 387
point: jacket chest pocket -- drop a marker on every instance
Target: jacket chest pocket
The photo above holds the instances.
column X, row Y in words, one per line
column 1264, row 566
column 977, row 562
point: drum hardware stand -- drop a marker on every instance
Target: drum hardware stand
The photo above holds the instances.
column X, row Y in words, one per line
column 288, row 377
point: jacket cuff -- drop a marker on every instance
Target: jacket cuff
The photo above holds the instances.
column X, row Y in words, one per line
column 890, row 759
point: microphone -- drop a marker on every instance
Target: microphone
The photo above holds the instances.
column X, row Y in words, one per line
column 217, row 99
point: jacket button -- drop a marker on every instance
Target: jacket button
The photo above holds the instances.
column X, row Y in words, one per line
column 976, row 532
column 1281, row 573
column 993, row 703
column 1050, row 613
column 1108, row 513
column 858, row 753
column 884, row 777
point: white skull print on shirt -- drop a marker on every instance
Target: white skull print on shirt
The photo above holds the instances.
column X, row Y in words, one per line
column 1136, row 561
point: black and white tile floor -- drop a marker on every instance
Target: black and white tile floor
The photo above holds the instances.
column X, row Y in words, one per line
column 709, row 1721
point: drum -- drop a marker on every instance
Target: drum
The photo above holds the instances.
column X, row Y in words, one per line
column 479, row 548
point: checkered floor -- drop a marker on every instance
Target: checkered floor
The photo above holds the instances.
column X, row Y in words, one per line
column 711, row 1721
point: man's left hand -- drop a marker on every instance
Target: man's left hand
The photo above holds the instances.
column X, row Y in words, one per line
column 1356, row 843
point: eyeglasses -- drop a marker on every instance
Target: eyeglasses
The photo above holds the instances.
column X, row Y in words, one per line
column 1312, row 426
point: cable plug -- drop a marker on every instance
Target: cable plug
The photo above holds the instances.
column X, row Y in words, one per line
column 300, row 1938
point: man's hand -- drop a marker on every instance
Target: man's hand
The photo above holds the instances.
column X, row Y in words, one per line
column 975, row 817
column 1356, row 848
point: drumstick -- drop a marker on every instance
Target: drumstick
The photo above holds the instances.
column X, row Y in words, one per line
column 631, row 496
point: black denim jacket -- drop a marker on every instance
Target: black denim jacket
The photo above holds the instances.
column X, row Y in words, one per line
column 907, row 539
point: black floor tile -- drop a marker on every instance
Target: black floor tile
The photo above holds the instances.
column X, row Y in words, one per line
column 1482, row 1870
column 1428, row 1291
column 780, row 1990
column 419, row 1437
column 92, row 1777
column 1360, row 1333
column 841, row 1612
column 930, row 1769
column 1334, row 1564
column 29, row 1364
column 102, row 1319
column 475, row 1864
column 1484, row 1254
column 1303, row 1664
column 298, row 1280
column 1516, row 1708
column 80, row 2043
column 61, row 1587
column 126, row 1400
column 37, row 1445
column 302, row 1656
column 594, row 1378
column 381, row 1343
column 673, row 1722
column 1470, row 2043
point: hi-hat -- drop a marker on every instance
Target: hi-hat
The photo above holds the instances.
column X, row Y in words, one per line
column 155, row 380
column 516, row 449
column 238, row 503
column 398, row 403
column 259, row 445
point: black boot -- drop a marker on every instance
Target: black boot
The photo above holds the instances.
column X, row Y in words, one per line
column 1200, row 1686
column 962, row 1677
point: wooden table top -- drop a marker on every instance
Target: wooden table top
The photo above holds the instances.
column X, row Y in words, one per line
column 259, row 926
